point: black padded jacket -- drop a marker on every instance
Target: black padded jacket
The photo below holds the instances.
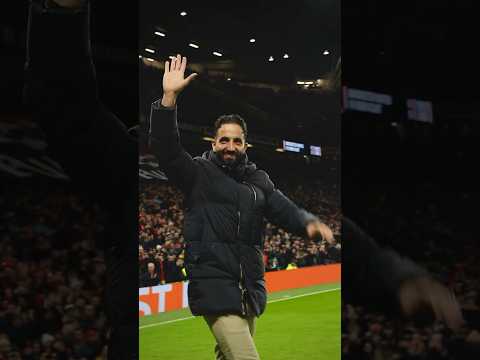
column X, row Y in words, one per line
column 224, row 221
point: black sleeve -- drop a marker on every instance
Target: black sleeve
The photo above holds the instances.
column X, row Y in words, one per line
column 164, row 143
column 282, row 212
column 90, row 143
column 371, row 275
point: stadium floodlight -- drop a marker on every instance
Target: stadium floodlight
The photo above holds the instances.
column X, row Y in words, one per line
column 270, row 58
column 285, row 56
column 159, row 33
column 183, row 13
column 326, row 52
column 216, row 53
column 252, row 40
column 308, row 82
column 193, row 45
column 300, row 82
column 151, row 51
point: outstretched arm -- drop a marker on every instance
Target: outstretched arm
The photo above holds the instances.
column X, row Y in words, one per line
column 90, row 143
column 283, row 212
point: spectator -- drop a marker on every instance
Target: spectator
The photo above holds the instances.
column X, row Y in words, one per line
column 151, row 277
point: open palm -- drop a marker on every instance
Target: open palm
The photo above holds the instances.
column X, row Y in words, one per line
column 174, row 76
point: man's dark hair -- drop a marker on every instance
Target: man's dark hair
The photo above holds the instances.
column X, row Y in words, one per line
column 231, row 119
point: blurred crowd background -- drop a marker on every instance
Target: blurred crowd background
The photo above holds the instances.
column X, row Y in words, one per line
column 161, row 249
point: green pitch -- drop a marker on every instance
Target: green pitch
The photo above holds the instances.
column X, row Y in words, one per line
column 298, row 324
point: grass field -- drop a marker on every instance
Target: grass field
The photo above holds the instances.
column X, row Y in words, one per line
column 298, row 324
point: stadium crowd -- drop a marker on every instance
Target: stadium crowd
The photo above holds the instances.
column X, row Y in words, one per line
column 431, row 230
column 161, row 249
column 52, row 275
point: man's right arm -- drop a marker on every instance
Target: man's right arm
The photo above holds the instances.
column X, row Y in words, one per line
column 164, row 143
column 163, row 137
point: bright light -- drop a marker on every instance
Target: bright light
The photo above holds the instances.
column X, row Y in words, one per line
column 249, row 145
column 285, row 56
column 139, row 56
column 308, row 82
column 300, row 82
column 183, row 13
column 149, row 59
column 326, row 52
column 193, row 45
column 150, row 50
column 159, row 33
column 228, row 79
column 207, row 138
column 217, row 53
column 252, row 40
column 270, row 58
column 280, row 150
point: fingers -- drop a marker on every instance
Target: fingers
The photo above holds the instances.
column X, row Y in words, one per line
column 172, row 64
column 445, row 306
column 435, row 301
column 167, row 66
column 326, row 232
column 183, row 64
column 451, row 312
column 178, row 62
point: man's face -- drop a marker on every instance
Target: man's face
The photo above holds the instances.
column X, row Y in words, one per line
column 230, row 143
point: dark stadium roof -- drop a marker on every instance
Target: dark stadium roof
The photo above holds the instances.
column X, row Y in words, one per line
column 302, row 29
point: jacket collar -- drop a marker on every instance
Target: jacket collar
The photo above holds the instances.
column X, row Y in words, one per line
column 240, row 170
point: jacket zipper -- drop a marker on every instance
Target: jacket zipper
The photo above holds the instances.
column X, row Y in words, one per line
column 254, row 195
column 240, row 283
column 243, row 291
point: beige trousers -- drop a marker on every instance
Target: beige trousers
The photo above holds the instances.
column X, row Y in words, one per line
column 234, row 335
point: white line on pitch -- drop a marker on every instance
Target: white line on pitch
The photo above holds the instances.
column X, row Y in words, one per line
column 268, row 302
column 302, row 295
column 165, row 322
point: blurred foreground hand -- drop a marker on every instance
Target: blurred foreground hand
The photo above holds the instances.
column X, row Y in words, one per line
column 424, row 293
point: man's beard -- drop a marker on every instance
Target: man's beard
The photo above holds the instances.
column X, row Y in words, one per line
column 230, row 158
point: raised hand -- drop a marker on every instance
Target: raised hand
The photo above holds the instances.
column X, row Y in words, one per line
column 174, row 80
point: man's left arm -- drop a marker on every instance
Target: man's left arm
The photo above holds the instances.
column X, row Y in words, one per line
column 284, row 213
